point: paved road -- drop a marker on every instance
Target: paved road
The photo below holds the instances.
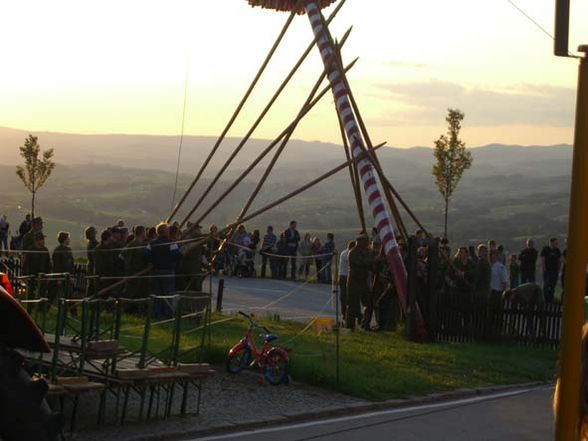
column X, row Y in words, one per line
column 511, row 416
column 291, row 300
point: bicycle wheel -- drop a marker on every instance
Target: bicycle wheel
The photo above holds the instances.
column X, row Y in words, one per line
column 276, row 368
column 238, row 360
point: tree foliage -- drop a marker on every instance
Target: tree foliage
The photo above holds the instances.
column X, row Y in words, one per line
column 451, row 158
column 36, row 170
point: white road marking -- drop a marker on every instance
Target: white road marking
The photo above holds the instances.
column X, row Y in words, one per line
column 370, row 415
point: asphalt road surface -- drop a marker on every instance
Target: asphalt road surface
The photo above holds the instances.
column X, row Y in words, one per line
column 291, row 300
column 510, row 416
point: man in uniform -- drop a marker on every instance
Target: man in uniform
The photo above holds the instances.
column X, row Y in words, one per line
column 63, row 261
column 37, row 262
column 103, row 260
column 360, row 264
column 191, row 264
column 28, row 240
column 135, row 261
column 92, row 243
column 482, row 275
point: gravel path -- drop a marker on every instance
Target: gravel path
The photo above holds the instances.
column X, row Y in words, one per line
column 226, row 400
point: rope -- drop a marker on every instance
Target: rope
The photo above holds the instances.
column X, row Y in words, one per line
column 139, row 247
column 303, row 330
column 181, row 138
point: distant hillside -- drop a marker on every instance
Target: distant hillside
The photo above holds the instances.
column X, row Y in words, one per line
column 510, row 192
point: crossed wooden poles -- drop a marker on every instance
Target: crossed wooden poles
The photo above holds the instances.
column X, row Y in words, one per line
column 362, row 163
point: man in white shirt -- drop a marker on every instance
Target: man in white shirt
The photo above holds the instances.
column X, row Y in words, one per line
column 498, row 279
column 343, row 273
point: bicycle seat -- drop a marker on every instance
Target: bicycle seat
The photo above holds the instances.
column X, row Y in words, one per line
column 269, row 337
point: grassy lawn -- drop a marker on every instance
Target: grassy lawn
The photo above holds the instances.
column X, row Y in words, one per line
column 373, row 365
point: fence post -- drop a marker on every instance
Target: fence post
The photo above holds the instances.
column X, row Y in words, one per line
column 219, row 295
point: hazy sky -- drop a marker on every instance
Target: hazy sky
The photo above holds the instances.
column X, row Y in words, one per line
column 119, row 67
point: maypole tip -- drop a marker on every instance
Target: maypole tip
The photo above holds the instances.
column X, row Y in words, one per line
column 288, row 5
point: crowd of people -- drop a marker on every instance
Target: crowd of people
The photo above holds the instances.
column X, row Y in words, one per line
column 171, row 259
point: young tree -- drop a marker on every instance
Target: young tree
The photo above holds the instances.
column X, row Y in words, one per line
column 451, row 158
column 35, row 171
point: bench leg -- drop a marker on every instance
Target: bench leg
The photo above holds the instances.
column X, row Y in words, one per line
column 123, row 413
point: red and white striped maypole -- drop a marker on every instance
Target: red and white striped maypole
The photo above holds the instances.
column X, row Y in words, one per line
column 341, row 93
column 370, row 183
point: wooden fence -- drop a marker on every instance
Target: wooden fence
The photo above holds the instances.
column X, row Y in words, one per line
column 496, row 321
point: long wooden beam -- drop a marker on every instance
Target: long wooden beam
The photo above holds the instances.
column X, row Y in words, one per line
column 262, row 155
column 235, row 113
column 247, row 94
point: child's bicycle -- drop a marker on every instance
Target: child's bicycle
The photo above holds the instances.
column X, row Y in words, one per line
column 273, row 360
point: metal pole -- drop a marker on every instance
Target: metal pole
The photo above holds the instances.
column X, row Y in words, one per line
column 573, row 307
column 371, row 186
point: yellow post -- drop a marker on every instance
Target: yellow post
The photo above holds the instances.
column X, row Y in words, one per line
column 573, row 307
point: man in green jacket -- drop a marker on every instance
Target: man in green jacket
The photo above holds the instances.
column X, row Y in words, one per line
column 358, row 280
column 37, row 262
column 190, row 274
column 135, row 260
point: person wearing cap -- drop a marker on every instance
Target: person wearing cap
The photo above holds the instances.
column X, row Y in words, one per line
column 360, row 263
column 37, row 262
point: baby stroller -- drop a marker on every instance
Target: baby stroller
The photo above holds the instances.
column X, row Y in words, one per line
column 244, row 263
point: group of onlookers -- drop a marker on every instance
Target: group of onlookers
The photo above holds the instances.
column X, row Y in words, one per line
column 278, row 251
column 472, row 266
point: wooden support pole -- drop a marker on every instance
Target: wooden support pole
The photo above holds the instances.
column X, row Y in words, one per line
column 353, row 176
column 374, row 159
column 247, row 94
column 235, row 113
column 280, row 149
column 307, row 186
column 293, row 193
column 269, row 168
column 262, row 155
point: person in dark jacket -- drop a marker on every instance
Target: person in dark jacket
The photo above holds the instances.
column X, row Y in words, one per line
column 104, row 260
column 191, row 272
column 63, row 262
column 136, row 261
column 37, row 262
column 90, row 234
column 358, row 285
column 292, row 238
column 164, row 256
